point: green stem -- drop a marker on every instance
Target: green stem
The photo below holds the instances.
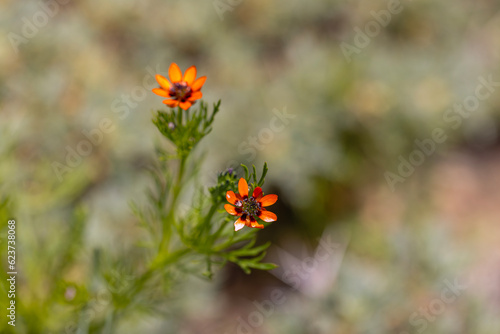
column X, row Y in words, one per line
column 156, row 264
column 219, row 231
column 206, row 223
column 160, row 261
column 179, row 116
column 210, row 214
column 170, row 218
column 109, row 325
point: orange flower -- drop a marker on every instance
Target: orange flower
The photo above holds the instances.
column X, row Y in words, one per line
column 248, row 208
column 184, row 90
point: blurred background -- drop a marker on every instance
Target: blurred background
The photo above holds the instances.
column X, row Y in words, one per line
column 379, row 121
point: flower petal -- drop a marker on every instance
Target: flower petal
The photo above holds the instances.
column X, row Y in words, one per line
column 195, row 96
column 256, row 225
column 161, row 92
column 243, row 188
column 239, row 224
column 164, row 83
column 232, row 210
column 257, row 193
column 185, row 105
column 232, row 197
column 171, row 103
column 198, row 83
column 268, row 200
column 174, row 72
column 190, row 75
column 251, row 222
column 268, row 216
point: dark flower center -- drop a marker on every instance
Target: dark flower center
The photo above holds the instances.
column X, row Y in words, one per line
column 250, row 206
column 181, row 91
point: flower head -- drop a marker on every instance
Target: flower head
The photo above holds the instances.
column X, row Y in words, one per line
column 183, row 90
column 249, row 208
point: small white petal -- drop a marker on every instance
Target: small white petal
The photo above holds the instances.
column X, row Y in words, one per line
column 238, row 225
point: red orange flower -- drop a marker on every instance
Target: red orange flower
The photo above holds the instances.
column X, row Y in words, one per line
column 249, row 208
column 183, row 90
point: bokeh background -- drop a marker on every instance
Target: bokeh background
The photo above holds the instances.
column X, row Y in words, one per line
column 348, row 120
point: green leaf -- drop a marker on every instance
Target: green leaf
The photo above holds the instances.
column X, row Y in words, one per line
column 263, row 266
column 264, row 173
column 247, row 173
column 251, row 251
